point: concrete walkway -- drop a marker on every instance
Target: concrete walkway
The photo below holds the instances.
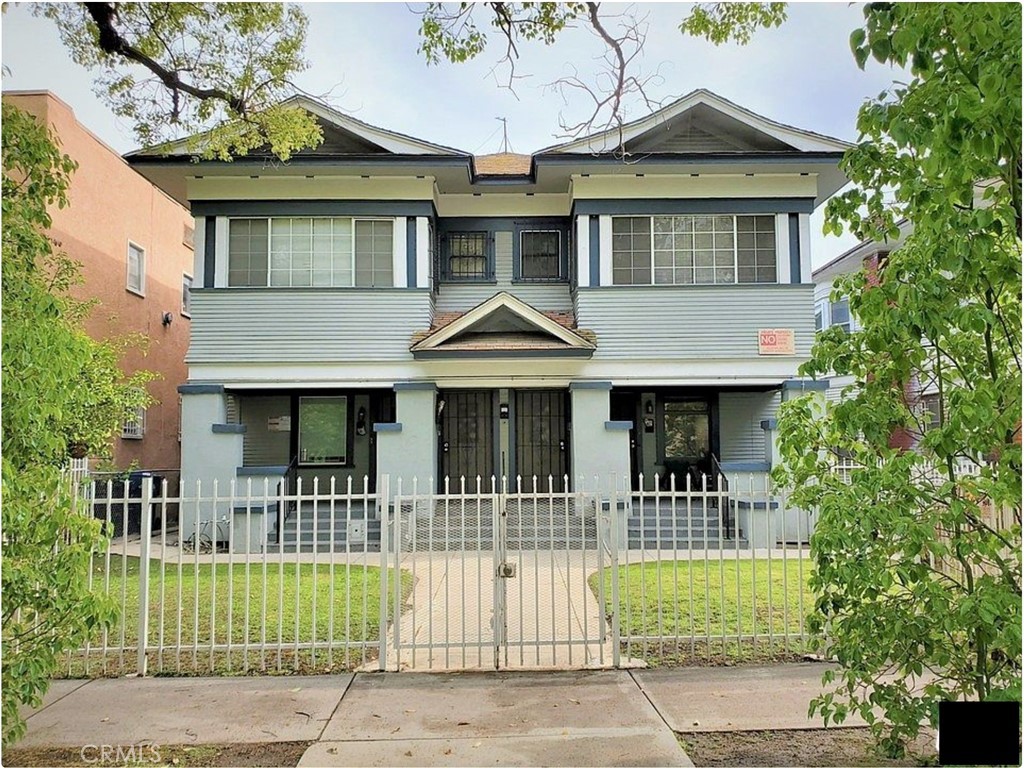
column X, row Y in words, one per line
column 609, row 717
column 552, row 618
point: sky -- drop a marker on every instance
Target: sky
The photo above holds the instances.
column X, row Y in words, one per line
column 364, row 60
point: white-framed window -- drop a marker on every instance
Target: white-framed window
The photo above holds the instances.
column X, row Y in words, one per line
column 304, row 251
column 820, row 315
column 136, row 269
column 135, row 428
column 839, row 314
column 540, row 254
column 186, row 294
column 323, row 430
column 693, row 250
column 931, row 412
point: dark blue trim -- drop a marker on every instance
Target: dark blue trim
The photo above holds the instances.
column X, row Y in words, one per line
column 545, row 223
column 228, row 429
column 244, row 208
column 794, row 248
column 388, row 427
column 273, row 469
column 691, row 158
column 618, row 426
column 673, row 206
column 454, row 354
column 414, row 386
column 769, row 424
column 410, row 252
column 209, row 252
column 200, row 389
column 324, row 158
column 805, row 385
column 595, row 251
column 745, row 466
column 574, row 385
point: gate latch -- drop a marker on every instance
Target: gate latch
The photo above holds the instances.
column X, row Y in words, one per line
column 506, row 570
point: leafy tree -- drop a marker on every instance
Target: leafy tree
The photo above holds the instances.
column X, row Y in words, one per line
column 60, row 388
column 915, row 572
column 218, row 71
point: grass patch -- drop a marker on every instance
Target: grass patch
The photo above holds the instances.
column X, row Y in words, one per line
column 711, row 611
column 216, row 606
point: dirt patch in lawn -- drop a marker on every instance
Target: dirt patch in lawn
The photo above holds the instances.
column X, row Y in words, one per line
column 284, row 754
column 821, row 747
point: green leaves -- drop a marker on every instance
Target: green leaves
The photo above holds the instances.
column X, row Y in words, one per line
column 59, row 387
column 915, row 569
column 186, row 68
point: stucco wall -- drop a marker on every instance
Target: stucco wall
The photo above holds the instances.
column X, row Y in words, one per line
column 111, row 204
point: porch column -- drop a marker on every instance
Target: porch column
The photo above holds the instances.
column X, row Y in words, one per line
column 407, row 449
column 211, row 450
column 600, row 448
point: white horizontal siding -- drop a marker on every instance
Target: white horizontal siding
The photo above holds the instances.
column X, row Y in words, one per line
column 305, row 325
column 693, row 322
column 740, row 415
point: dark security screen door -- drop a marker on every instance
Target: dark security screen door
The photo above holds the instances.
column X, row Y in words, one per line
column 542, row 437
column 467, row 438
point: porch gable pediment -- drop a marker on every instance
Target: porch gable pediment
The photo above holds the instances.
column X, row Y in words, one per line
column 504, row 323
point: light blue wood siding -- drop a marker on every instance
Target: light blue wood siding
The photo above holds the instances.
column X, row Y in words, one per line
column 693, row 322
column 454, row 297
column 740, row 415
column 306, row 325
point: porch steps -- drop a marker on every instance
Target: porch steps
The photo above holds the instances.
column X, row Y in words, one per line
column 686, row 527
column 306, row 531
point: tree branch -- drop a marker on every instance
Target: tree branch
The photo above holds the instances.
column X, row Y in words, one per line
column 111, row 42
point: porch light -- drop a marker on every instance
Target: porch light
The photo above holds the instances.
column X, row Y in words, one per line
column 361, row 421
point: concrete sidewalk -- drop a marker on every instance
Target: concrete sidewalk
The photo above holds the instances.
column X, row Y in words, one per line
column 615, row 717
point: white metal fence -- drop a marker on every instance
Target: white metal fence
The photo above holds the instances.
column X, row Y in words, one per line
column 474, row 574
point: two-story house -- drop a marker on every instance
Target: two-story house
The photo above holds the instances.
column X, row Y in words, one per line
column 629, row 304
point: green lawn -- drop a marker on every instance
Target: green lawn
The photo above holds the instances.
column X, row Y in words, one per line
column 285, row 605
column 713, row 606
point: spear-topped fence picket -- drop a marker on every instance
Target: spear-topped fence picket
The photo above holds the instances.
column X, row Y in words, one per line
column 496, row 573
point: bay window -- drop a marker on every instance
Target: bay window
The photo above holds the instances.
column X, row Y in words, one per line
column 693, row 250
column 317, row 252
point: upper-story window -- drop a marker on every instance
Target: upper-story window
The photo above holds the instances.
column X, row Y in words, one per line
column 839, row 314
column 136, row 269
column 693, row 250
column 820, row 315
column 300, row 252
column 466, row 256
column 540, row 255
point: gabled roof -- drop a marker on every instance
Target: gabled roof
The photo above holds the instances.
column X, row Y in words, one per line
column 361, row 138
column 504, row 323
column 738, row 130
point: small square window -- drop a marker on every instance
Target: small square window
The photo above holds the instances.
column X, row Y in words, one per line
column 135, row 428
column 186, row 295
column 136, row 269
column 540, row 255
column 467, row 256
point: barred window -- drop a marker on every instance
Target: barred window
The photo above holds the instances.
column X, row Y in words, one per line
column 540, row 256
column 135, row 427
column 467, row 256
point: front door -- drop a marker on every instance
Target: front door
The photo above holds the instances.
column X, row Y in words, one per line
column 542, row 437
column 467, row 438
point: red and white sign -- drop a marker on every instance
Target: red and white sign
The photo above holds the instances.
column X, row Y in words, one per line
column 776, row 341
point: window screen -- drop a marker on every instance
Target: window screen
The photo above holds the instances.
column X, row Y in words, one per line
column 540, row 255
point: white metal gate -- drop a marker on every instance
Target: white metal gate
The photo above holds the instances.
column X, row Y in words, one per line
column 499, row 579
